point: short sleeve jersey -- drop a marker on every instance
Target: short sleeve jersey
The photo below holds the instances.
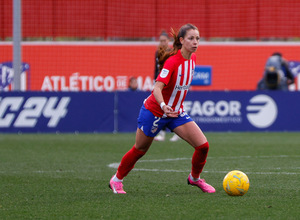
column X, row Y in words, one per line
column 177, row 75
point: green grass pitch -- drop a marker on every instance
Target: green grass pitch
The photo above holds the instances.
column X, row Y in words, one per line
column 65, row 176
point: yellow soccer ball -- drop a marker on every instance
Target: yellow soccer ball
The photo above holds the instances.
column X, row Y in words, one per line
column 236, row 183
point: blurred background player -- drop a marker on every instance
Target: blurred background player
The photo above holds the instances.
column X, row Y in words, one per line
column 162, row 109
column 163, row 45
column 277, row 74
column 132, row 84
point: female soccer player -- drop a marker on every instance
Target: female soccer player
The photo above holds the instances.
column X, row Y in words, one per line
column 164, row 108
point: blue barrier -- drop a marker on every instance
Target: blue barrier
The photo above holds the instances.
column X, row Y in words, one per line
column 129, row 104
column 56, row 112
column 118, row 112
column 202, row 76
column 245, row 111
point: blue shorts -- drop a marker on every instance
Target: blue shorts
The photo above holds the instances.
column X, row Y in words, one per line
column 151, row 125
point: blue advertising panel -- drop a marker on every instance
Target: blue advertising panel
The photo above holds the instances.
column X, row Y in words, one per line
column 56, row 112
column 245, row 111
column 111, row 112
column 202, row 76
column 225, row 111
column 129, row 104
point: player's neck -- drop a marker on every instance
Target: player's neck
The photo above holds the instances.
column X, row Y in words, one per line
column 186, row 55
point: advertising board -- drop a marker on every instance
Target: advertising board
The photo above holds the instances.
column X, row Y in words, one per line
column 108, row 66
column 118, row 111
column 56, row 112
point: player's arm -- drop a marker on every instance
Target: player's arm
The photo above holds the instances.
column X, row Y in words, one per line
column 157, row 92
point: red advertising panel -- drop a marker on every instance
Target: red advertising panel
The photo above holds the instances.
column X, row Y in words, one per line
column 108, row 67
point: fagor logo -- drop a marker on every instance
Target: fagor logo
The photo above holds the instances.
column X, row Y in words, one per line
column 211, row 111
column 262, row 111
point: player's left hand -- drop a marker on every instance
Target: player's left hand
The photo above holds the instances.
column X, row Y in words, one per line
column 170, row 112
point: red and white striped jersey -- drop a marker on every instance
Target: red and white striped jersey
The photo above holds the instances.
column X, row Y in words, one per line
column 177, row 75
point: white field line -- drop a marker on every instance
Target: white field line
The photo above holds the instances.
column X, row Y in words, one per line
column 234, row 157
column 206, row 171
column 115, row 165
column 39, row 171
column 55, row 171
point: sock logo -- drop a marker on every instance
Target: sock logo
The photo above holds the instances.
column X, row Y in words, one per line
column 262, row 111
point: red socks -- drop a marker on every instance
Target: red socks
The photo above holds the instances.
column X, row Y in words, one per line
column 128, row 161
column 133, row 155
column 199, row 159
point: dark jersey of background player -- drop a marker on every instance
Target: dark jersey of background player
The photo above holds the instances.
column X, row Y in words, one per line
column 164, row 43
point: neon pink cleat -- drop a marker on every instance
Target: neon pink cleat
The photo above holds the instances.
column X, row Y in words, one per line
column 116, row 187
column 205, row 187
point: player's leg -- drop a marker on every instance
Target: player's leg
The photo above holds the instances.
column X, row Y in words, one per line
column 191, row 133
column 129, row 160
column 148, row 127
column 138, row 150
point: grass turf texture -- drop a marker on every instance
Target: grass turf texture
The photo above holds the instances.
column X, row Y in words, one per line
column 65, row 176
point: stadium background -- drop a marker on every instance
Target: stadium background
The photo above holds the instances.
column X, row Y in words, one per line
column 70, row 45
column 96, row 46
column 65, row 176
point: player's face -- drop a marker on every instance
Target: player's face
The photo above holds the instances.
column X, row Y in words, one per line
column 191, row 40
column 133, row 84
column 163, row 41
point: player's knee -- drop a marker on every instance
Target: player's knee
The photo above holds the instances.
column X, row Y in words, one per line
column 203, row 148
